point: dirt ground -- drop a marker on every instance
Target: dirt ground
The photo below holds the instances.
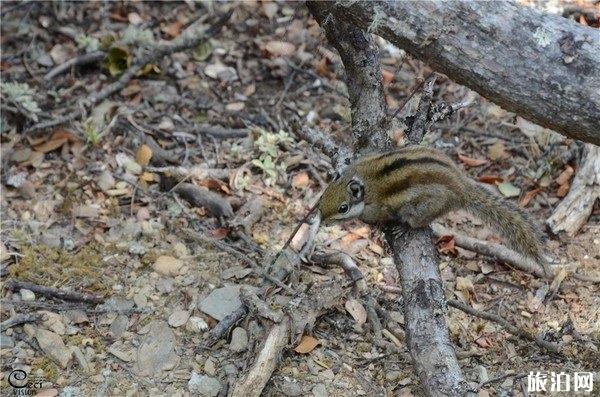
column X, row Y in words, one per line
column 90, row 206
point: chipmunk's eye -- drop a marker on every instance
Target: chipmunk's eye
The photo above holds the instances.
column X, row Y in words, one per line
column 343, row 208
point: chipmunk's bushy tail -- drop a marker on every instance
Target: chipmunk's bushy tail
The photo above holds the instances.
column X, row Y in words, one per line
column 513, row 224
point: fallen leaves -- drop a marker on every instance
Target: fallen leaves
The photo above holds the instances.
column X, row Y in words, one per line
column 563, row 181
column 143, row 155
column 356, row 310
column 307, row 344
column 471, row 162
column 527, row 197
column 446, row 245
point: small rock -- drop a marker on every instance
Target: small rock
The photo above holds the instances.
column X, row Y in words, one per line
column 71, row 391
column 156, row 352
column 197, row 324
column 180, row 250
column 27, row 190
column 120, row 354
column 105, row 181
column 132, row 167
column 319, row 390
column 393, row 375
column 45, row 60
column 137, row 248
column 27, row 295
column 168, row 266
column 53, row 347
column 164, row 285
column 291, row 389
column 239, row 340
column 6, row 342
column 221, row 302
column 143, row 214
column 119, row 325
column 54, row 322
column 81, row 360
column 209, row 367
column 47, row 393
column 203, row 385
column 178, row 318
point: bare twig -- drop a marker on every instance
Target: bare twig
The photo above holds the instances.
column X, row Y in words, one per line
column 184, row 41
column 502, row 253
column 18, row 320
column 83, row 59
column 244, row 258
column 202, row 197
column 408, row 97
column 217, row 131
column 53, row 292
column 505, row 324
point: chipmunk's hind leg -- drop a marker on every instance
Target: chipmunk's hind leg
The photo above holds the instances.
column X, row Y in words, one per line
column 426, row 203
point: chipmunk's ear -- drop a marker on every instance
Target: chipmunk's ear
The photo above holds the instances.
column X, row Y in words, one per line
column 356, row 189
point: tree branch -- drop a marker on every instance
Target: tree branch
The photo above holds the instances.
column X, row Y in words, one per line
column 540, row 66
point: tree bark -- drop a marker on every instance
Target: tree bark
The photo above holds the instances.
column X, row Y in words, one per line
column 415, row 256
column 543, row 67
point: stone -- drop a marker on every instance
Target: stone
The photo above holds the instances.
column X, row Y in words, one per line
column 291, row 389
column 105, row 181
column 167, row 265
column 178, row 318
column 239, row 340
column 209, row 367
column 156, row 352
column 120, row 354
column 221, row 302
column 54, row 347
column 196, row 324
column 27, row 295
column 203, row 385
column 319, row 390
column 6, row 342
column 119, row 325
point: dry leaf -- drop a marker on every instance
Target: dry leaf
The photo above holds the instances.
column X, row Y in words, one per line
column 490, row 179
column 565, row 176
column 388, row 76
column 307, row 344
column 471, row 162
column 301, row 180
column 446, row 245
column 51, row 145
column 527, row 197
column 173, row 29
column 280, row 48
column 143, row 155
column 497, row 151
column 300, row 237
column 464, row 284
column 563, row 190
column 215, row 184
column 322, row 68
column 356, row 310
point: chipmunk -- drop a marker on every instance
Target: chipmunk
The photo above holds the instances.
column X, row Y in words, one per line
column 416, row 185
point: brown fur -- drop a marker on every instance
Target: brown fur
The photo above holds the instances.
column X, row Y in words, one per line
column 417, row 185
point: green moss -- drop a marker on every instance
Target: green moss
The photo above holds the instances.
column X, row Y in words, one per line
column 49, row 367
column 53, row 267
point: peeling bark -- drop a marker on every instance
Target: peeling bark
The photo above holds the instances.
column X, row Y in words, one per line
column 543, row 67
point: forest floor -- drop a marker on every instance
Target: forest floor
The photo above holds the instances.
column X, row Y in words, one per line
column 95, row 205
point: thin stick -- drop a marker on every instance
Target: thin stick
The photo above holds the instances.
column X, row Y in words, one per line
column 18, row 320
column 511, row 329
column 78, row 60
column 289, row 240
column 408, row 98
column 54, row 292
column 255, row 266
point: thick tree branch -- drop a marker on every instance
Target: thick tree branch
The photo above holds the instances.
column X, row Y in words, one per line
column 542, row 67
column 415, row 255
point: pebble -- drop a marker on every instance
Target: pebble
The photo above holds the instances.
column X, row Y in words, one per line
column 167, row 265
column 27, row 295
column 119, row 325
column 71, row 391
column 291, row 389
column 6, row 342
column 164, row 285
column 54, row 347
column 239, row 340
column 196, row 324
column 319, row 390
column 209, row 367
column 156, row 352
column 203, row 385
column 221, row 302
column 105, row 181
column 393, row 375
column 178, row 318
column 137, row 248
